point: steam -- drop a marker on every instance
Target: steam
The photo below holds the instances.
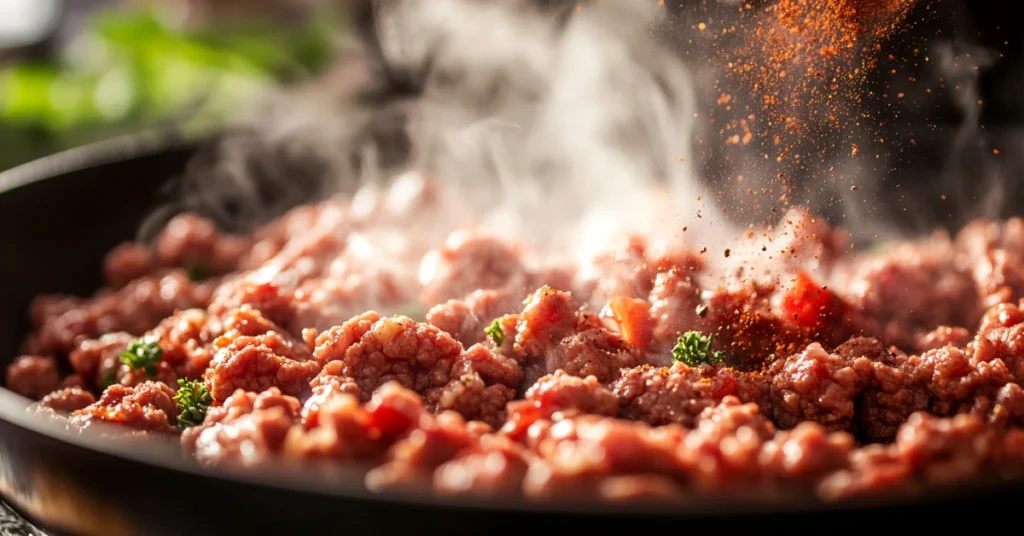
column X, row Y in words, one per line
column 558, row 132
column 561, row 130
column 565, row 129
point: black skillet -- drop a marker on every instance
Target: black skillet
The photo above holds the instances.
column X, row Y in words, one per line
column 59, row 215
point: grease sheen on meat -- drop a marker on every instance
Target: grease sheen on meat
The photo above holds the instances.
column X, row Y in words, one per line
column 460, row 363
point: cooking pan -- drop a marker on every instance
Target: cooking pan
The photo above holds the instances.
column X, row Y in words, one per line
column 58, row 217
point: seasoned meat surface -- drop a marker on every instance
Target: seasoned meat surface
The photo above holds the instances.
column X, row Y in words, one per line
column 355, row 331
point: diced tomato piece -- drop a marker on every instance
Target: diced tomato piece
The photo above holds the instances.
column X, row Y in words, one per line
column 391, row 420
column 633, row 316
column 723, row 387
column 521, row 414
column 811, row 306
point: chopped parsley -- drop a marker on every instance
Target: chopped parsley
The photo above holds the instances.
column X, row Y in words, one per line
column 193, row 400
column 142, row 354
column 198, row 271
column 694, row 349
column 495, row 332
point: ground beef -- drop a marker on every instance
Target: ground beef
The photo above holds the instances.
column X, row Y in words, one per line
column 994, row 252
column 195, row 243
column 147, row 407
column 844, row 374
column 888, row 401
column 628, row 269
column 494, row 467
column 341, row 427
column 135, row 309
column 468, row 262
column 33, row 376
column 249, row 434
column 746, row 328
column 98, row 361
column 558, row 396
column 805, row 453
column 566, row 394
column 322, row 303
column 186, row 339
column 912, row 289
column 255, row 364
column 480, row 386
column 332, row 344
column 248, row 322
column 467, row 318
column 1005, row 409
column 413, row 460
column 680, row 394
column 268, row 298
column 75, row 380
column 1001, row 336
column 548, row 316
column 951, row 379
column 943, row 336
column 576, row 455
column 594, row 352
column 418, row 356
column 126, row 263
column 68, row 399
column 817, row 386
column 674, row 300
column 927, row 450
column 724, row 448
column 324, row 387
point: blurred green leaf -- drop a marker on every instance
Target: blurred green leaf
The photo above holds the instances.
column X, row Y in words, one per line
column 134, row 69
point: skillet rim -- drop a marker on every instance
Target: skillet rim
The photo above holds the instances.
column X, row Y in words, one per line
column 130, row 147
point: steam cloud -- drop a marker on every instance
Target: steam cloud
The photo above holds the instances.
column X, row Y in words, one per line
column 563, row 131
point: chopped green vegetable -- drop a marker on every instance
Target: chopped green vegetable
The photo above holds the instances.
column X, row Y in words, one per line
column 694, row 349
column 495, row 332
column 198, row 271
column 136, row 69
column 193, row 400
column 143, row 354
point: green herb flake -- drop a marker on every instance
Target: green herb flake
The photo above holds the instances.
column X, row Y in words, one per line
column 198, row 271
column 495, row 332
column 694, row 349
column 193, row 400
column 143, row 354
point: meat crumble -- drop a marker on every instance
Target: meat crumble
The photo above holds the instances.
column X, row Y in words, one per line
column 467, row 367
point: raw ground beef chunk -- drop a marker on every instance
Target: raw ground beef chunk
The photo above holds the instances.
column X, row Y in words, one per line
column 367, row 332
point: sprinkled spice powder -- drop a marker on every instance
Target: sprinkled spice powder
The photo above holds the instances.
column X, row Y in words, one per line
column 806, row 59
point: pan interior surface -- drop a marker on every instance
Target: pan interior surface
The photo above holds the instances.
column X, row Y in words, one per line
column 58, row 218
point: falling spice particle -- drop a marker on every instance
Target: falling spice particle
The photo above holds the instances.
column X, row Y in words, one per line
column 728, row 252
column 942, row 197
column 995, row 151
column 702, row 310
column 853, row 188
column 702, row 26
column 855, row 151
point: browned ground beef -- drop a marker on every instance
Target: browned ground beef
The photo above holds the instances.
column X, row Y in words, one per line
column 843, row 374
